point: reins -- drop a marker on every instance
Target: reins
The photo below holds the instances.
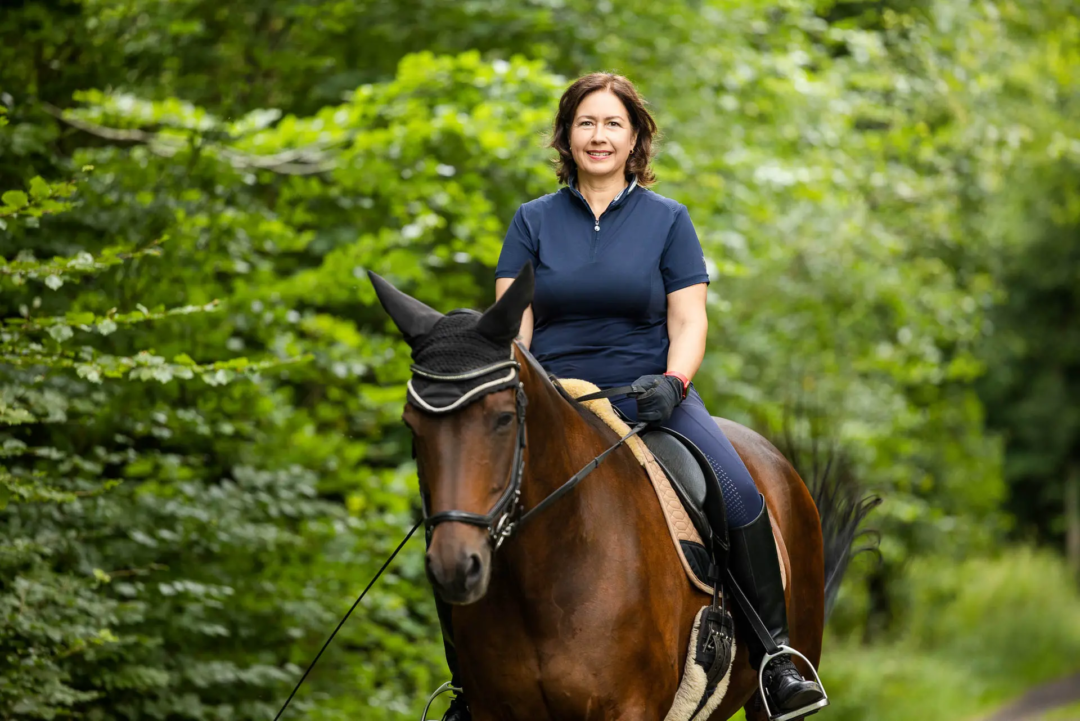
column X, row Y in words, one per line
column 577, row 477
column 591, row 466
column 507, row 514
column 502, row 528
column 346, row 618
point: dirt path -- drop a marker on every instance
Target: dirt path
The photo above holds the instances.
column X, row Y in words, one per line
column 1040, row 700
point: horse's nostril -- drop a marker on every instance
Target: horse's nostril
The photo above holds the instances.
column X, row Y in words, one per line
column 473, row 568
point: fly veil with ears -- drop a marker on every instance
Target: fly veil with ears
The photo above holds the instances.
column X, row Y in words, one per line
column 458, row 358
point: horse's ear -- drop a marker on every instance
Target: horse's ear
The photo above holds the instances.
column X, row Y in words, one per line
column 502, row 321
column 412, row 317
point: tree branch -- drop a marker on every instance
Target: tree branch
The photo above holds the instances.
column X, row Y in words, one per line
column 311, row 160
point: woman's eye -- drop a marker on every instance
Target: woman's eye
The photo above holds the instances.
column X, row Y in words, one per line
column 503, row 420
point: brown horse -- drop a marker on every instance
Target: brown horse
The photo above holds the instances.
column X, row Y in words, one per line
column 585, row 613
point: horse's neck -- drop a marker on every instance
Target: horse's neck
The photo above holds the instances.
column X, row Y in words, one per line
column 560, row 443
column 555, row 433
column 577, row 549
column 551, row 458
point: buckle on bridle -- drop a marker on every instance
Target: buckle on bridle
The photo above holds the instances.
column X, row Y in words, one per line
column 504, row 528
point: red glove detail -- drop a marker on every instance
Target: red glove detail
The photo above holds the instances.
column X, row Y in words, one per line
column 684, row 379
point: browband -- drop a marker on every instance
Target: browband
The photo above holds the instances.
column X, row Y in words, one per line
column 469, row 395
column 474, row 373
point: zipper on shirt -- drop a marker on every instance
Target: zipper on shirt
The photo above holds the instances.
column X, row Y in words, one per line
column 596, row 238
column 616, row 201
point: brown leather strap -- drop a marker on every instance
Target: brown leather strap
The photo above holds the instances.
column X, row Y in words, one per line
column 577, row 477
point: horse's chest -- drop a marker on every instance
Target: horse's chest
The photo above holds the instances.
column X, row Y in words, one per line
column 571, row 632
column 570, row 656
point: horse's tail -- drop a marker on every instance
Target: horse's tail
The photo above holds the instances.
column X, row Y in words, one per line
column 842, row 506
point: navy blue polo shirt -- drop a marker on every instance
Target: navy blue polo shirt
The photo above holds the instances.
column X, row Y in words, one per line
column 600, row 306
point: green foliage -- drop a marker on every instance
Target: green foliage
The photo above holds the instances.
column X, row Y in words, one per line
column 197, row 189
column 244, row 490
column 1033, row 392
column 68, row 641
column 978, row 632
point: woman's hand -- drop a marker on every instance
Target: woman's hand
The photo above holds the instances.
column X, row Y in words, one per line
column 659, row 396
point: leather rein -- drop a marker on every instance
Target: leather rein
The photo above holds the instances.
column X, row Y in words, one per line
column 508, row 515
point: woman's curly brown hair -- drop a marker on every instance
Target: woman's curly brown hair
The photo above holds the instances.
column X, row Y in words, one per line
column 640, row 161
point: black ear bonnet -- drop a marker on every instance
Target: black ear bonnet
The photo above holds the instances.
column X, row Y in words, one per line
column 454, row 364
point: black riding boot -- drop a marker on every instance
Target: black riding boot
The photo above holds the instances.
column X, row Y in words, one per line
column 756, row 568
column 459, row 707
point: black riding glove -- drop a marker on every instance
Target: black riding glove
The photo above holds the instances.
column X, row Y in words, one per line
column 658, row 397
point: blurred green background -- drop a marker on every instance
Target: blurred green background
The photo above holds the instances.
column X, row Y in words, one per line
column 201, row 458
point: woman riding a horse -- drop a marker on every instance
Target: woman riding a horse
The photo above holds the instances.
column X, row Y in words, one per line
column 619, row 299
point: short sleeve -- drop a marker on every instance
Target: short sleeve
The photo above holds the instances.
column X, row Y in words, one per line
column 683, row 262
column 518, row 248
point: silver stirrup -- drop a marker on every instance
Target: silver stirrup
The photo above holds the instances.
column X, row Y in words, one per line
column 445, row 688
column 798, row 713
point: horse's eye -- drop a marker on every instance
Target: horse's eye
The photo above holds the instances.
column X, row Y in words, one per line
column 503, row 420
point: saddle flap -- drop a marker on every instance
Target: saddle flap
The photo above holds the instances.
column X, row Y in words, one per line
column 712, row 505
column 685, row 473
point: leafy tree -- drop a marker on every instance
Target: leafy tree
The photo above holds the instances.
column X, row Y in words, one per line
column 870, row 182
column 60, row 629
column 1031, row 389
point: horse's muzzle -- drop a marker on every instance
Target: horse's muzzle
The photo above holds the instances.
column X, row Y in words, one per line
column 458, row 563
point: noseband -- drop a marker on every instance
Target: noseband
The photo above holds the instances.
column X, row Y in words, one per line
column 507, row 514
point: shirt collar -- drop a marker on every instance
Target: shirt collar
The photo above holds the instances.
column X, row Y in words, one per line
column 622, row 194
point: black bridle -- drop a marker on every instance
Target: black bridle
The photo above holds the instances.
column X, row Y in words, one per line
column 499, row 521
column 507, row 514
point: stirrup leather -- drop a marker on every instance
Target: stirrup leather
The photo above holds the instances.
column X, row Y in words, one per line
column 445, row 688
column 797, row 713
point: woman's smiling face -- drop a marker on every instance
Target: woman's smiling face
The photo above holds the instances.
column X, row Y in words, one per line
column 601, row 136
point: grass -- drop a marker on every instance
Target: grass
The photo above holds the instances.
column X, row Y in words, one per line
column 1070, row 713
column 974, row 636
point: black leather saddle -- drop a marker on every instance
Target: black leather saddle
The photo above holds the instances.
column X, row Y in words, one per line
column 695, row 482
